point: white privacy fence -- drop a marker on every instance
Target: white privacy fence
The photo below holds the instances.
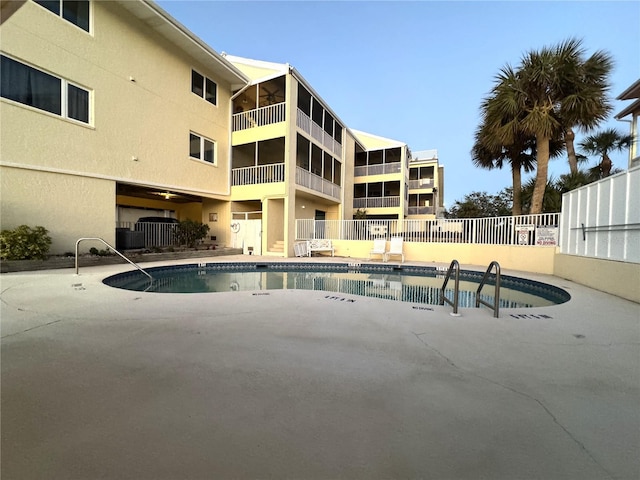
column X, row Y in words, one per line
column 602, row 220
column 541, row 230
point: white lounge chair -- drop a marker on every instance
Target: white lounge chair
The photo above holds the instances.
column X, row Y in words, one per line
column 395, row 248
column 379, row 248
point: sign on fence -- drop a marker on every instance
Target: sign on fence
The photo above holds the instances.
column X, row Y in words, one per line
column 547, row 236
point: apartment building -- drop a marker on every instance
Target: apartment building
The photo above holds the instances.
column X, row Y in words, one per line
column 113, row 111
column 426, row 185
column 633, row 111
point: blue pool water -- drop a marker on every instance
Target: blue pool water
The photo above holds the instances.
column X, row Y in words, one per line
column 401, row 283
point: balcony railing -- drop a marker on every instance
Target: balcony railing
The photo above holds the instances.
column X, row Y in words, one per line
column 376, row 202
column 381, row 169
column 304, row 123
column 421, row 210
column 259, row 117
column 421, row 183
column 314, row 182
column 261, row 174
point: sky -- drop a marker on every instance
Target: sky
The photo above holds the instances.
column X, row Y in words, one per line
column 417, row 71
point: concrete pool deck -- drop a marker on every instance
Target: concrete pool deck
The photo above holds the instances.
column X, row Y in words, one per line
column 104, row 383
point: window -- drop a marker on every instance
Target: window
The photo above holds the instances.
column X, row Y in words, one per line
column 203, row 87
column 202, row 148
column 29, row 86
column 76, row 12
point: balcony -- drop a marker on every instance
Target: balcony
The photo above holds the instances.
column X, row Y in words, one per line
column 304, row 123
column 379, row 169
column 304, row 178
column 421, row 211
column 259, row 117
column 376, row 202
column 421, row 183
column 272, row 173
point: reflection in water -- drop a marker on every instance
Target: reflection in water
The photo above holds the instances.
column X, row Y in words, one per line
column 405, row 288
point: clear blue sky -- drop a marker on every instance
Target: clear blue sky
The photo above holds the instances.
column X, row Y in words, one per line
column 417, row 71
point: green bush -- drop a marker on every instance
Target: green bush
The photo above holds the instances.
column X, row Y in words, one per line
column 24, row 243
column 188, row 232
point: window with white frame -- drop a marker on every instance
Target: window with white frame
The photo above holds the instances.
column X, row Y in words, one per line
column 202, row 148
column 73, row 11
column 204, row 87
column 35, row 88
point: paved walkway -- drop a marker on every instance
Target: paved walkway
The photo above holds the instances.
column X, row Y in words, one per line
column 105, row 383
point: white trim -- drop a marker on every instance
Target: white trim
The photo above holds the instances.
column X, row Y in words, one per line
column 202, row 140
column 204, row 87
column 64, row 101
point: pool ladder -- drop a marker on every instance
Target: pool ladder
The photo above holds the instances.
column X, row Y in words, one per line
column 454, row 267
column 116, row 251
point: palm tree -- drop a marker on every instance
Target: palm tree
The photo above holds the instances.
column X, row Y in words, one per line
column 539, row 99
column 602, row 143
column 586, row 101
column 488, row 153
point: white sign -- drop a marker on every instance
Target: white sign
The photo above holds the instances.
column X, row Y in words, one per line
column 525, row 227
column 523, row 237
column 547, row 236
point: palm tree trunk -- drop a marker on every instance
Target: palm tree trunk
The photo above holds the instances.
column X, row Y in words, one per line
column 516, row 175
column 605, row 165
column 569, row 137
column 542, row 159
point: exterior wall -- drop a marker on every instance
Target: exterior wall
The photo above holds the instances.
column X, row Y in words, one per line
column 138, row 132
column 70, row 207
column 617, row 278
column 526, row 259
column 128, row 116
column 610, row 212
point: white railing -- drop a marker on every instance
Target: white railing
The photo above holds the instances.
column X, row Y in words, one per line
column 271, row 173
column 422, row 183
column 376, row 202
column 259, row 117
column 307, row 125
column 602, row 220
column 380, row 169
column 421, row 210
column 151, row 234
column 304, row 178
column 538, row 230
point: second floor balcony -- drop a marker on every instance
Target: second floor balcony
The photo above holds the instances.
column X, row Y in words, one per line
column 421, row 211
column 309, row 180
column 272, row 173
column 376, row 202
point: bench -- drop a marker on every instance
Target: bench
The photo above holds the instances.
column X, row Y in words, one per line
column 318, row 245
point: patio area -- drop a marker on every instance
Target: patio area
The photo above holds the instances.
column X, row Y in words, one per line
column 105, row 383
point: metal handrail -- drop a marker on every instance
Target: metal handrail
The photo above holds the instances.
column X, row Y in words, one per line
column 453, row 266
column 496, row 295
column 108, row 246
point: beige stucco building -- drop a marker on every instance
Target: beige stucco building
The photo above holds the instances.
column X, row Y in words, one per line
column 113, row 111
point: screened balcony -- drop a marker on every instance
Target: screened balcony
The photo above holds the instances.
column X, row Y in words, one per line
column 317, row 122
column 260, row 105
column 258, row 163
column 376, row 195
column 378, row 162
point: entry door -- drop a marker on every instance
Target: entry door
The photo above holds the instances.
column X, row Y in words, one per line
column 247, row 234
column 319, row 223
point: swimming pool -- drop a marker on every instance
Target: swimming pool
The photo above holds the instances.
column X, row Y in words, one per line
column 392, row 282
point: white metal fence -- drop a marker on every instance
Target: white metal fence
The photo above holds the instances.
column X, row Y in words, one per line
column 132, row 235
column 602, row 220
column 538, row 230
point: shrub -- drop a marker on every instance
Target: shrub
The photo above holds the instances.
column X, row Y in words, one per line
column 24, row 243
column 188, row 232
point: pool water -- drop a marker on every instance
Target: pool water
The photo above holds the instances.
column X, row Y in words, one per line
column 400, row 283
